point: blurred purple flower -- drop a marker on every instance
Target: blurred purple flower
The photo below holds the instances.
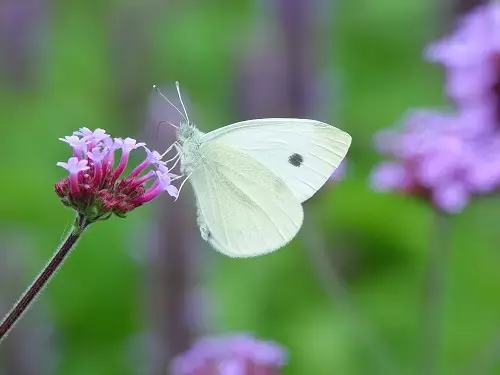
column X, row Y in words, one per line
column 448, row 157
column 471, row 56
column 389, row 176
column 23, row 36
column 231, row 355
column 435, row 157
column 340, row 172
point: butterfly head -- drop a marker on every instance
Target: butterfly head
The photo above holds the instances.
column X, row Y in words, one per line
column 186, row 132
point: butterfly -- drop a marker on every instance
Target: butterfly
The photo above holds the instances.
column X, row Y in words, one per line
column 251, row 178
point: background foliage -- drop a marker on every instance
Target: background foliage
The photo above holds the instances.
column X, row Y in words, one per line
column 93, row 63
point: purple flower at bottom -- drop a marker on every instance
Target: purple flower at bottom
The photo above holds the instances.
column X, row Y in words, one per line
column 231, row 355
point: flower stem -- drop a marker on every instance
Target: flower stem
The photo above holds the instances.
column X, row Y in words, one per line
column 434, row 293
column 43, row 278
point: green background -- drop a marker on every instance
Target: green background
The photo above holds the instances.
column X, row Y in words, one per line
column 97, row 304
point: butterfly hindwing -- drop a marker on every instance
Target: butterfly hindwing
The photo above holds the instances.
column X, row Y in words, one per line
column 244, row 208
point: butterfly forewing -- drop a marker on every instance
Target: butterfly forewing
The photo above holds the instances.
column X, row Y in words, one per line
column 303, row 153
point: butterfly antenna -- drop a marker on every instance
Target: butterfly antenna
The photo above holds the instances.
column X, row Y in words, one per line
column 182, row 184
column 180, row 98
column 172, row 104
column 168, row 122
column 158, row 126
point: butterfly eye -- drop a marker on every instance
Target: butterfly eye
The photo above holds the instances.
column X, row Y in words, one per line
column 296, row 160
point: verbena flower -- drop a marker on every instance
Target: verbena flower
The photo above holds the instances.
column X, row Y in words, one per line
column 231, row 355
column 448, row 157
column 471, row 56
column 97, row 189
column 433, row 157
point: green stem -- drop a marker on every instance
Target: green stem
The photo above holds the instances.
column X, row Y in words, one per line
column 434, row 294
column 43, row 278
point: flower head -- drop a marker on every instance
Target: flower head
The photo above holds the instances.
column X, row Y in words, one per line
column 164, row 183
column 96, row 135
column 94, row 187
column 79, row 144
column 153, row 157
column 74, row 166
column 128, row 144
column 97, row 154
column 109, row 143
column 448, row 157
column 436, row 158
column 231, row 355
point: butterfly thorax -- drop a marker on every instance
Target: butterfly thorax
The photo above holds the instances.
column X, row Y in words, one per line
column 190, row 140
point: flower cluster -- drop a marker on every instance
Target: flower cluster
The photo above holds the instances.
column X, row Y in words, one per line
column 230, row 355
column 95, row 187
column 448, row 157
column 471, row 57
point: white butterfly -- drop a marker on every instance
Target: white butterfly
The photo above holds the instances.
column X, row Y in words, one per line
column 251, row 178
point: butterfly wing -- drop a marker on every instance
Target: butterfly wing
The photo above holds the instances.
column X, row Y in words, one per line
column 304, row 153
column 244, row 209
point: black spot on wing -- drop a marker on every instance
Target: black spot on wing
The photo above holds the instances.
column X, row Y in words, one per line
column 296, row 160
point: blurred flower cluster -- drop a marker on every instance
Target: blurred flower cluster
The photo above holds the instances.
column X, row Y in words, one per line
column 339, row 173
column 94, row 187
column 230, row 355
column 449, row 156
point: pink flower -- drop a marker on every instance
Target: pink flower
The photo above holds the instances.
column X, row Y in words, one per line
column 93, row 187
column 79, row 144
column 97, row 135
column 153, row 159
column 231, row 355
column 434, row 156
column 74, row 167
column 162, row 183
column 126, row 146
column 97, row 155
column 389, row 176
